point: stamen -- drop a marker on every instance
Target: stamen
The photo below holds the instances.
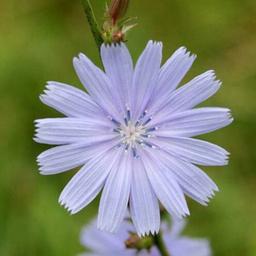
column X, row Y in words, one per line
column 119, row 145
column 141, row 117
column 128, row 112
column 126, row 121
column 147, row 121
column 114, row 121
column 152, row 129
column 145, row 135
column 144, row 114
column 149, row 145
column 141, row 142
column 134, row 152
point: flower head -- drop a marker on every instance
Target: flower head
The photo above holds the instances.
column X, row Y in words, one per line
column 104, row 243
column 115, row 27
column 133, row 136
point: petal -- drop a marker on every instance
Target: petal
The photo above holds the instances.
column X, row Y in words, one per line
column 103, row 242
column 165, row 186
column 187, row 246
column 174, row 70
column 63, row 158
column 97, row 84
column 153, row 252
column 191, row 94
column 171, row 74
column 88, row 182
column 118, row 66
column 144, row 206
column 145, row 77
column 115, row 195
column 192, row 122
column 177, row 227
column 193, row 181
column 193, row 150
column 69, row 100
column 58, row 131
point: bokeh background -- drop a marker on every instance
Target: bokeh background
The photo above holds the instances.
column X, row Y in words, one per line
column 38, row 40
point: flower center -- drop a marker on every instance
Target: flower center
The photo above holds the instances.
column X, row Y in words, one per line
column 131, row 133
column 134, row 134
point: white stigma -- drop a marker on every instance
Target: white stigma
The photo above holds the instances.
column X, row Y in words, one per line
column 134, row 134
column 131, row 133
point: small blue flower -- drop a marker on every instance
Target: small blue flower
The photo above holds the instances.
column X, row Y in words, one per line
column 133, row 136
column 102, row 243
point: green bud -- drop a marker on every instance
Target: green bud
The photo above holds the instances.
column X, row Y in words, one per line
column 117, row 9
column 139, row 243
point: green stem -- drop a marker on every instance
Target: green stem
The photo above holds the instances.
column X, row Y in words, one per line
column 159, row 243
column 92, row 22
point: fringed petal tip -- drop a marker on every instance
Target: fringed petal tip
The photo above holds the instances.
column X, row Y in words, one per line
column 36, row 122
column 67, row 205
column 52, row 87
column 76, row 61
column 81, row 57
column 143, row 231
column 152, row 232
column 35, row 139
column 184, row 51
column 183, row 213
column 154, row 43
column 117, row 45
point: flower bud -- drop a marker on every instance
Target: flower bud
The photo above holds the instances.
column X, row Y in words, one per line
column 139, row 243
column 117, row 9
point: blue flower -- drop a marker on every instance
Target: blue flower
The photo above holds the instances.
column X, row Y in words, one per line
column 102, row 243
column 133, row 136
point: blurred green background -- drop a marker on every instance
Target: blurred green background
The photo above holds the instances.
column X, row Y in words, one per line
column 38, row 40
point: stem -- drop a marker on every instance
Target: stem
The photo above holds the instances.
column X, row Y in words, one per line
column 92, row 22
column 159, row 242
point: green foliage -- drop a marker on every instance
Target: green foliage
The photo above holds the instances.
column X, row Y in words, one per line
column 37, row 43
